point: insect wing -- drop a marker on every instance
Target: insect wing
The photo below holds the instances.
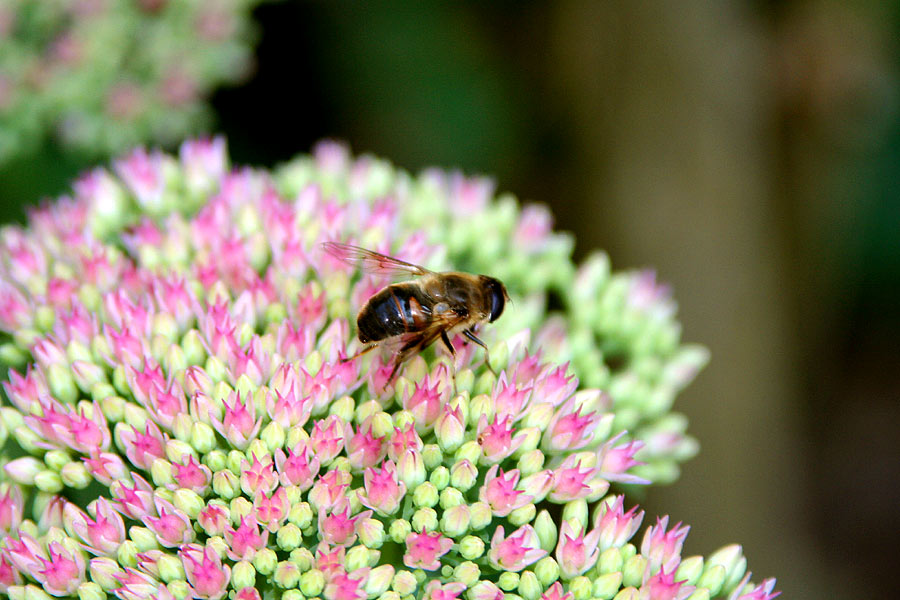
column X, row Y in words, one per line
column 373, row 262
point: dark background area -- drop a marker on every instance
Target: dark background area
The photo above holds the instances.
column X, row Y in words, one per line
column 749, row 151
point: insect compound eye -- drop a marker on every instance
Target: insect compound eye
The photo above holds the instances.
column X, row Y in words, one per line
column 498, row 299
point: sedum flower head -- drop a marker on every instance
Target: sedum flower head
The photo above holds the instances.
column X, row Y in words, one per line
column 178, row 342
column 99, row 76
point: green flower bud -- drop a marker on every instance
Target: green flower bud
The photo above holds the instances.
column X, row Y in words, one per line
column 170, row 568
column 382, row 424
column 29, row 592
column 508, row 581
column 689, row 570
column 627, row 551
column 425, row 519
column 440, row 477
column 312, row 583
column 343, row 407
column 48, row 481
column 404, row 583
column 194, row 351
column 471, row 547
column 530, row 437
column 455, row 521
column 522, row 515
column 379, row 580
column 27, row 439
column 425, row 495
column 358, row 557
column 181, row 427
column 633, row 571
column 295, row 435
column 480, row 406
column 547, row 571
column 713, row 579
column 161, row 472
column 91, row 591
column 530, row 463
column 225, row 484
column 463, row 475
column 203, row 438
column 529, row 587
column 61, row 383
column 732, row 559
column 240, row 507
column 180, row 590
column 289, row 537
column 234, row 461
column 481, row 515
column 126, row 554
column 75, row 475
column 629, row 593
column 265, row 561
column 399, row 529
column 135, row 415
column 470, row 451
column 366, row 410
column 57, row 459
column 301, row 515
column 539, row 416
column 576, row 513
column 467, row 573
column 258, row 449
column 402, row 419
column 287, row 575
column 273, row 435
column 581, row 587
column 546, row 530
column 432, row 455
column 606, row 586
column 700, row 594
column 189, row 502
column 144, row 538
column 371, row 533
column 243, row 575
column 99, row 391
column 102, row 570
column 174, row 359
column 303, row 558
column 610, row 561
column 451, row 497
column 215, row 460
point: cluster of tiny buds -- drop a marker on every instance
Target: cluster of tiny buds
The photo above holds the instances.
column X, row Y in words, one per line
column 194, row 386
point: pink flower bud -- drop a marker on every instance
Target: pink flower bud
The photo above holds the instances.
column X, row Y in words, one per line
column 424, row 549
column 517, row 551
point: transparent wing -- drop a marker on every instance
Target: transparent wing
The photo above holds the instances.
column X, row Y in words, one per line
column 373, row 262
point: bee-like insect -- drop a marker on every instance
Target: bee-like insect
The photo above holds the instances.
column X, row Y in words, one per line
column 416, row 313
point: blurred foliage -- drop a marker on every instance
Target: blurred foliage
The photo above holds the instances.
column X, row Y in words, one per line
column 94, row 77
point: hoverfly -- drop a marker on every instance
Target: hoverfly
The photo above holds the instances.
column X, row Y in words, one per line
column 418, row 312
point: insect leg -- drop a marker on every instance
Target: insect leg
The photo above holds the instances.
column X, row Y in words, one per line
column 447, row 343
column 414, row 345
column 368, row 348
column 487, row 357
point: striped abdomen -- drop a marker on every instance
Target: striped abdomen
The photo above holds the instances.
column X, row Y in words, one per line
column 395, row 310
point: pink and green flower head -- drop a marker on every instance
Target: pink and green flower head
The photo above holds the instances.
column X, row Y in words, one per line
column 189, row 411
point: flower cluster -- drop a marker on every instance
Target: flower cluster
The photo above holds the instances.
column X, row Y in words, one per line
column 616, row 330
column 100, row 75
column 182, row 420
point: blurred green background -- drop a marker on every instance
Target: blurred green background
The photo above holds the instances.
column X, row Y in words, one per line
column 749, row 151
